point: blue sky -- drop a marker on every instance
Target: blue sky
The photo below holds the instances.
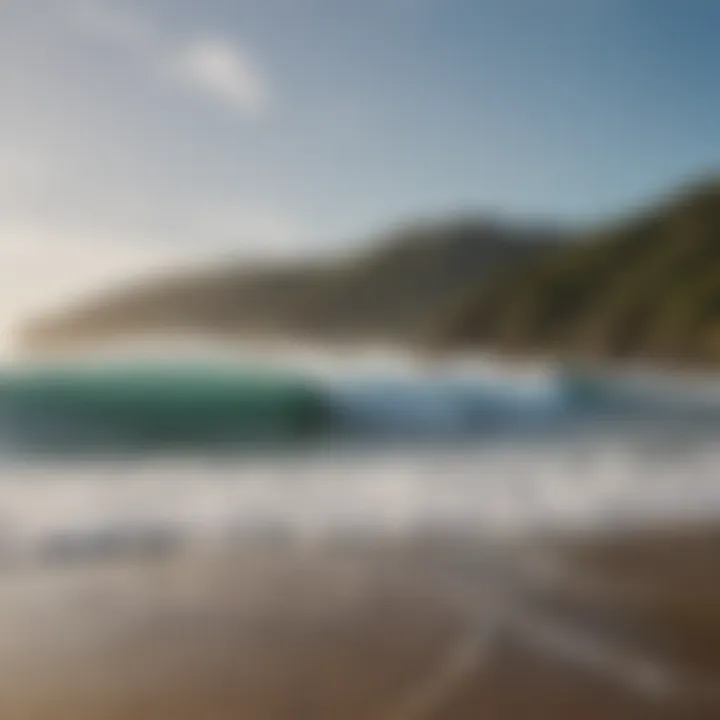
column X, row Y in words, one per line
column 139, row 129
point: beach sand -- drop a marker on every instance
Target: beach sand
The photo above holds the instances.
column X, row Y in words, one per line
column 438, row 629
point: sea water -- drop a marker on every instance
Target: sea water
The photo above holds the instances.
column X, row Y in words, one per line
column 471, row 449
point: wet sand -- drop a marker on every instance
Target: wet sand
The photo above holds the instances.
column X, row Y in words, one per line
column 440, row 629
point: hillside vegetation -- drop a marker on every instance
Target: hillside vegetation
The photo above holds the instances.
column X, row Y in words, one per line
column 387, row 292
column 646, row 288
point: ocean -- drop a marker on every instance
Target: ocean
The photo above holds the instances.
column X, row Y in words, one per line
column 470, row 448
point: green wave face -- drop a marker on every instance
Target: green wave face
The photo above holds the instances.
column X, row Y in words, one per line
column 137, row 406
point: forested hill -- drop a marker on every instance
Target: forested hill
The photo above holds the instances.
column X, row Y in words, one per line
column 391, row 290
column 646, row 288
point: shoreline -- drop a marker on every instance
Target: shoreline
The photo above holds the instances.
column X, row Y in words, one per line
column 398, row 357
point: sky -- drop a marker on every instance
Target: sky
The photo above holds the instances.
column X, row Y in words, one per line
column 139, row 133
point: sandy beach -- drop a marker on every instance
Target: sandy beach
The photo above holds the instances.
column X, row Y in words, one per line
column 435, row 629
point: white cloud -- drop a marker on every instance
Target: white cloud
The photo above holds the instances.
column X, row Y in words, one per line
column 213, row 66
column 221, row 69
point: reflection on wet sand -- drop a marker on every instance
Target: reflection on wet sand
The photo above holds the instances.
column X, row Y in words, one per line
column 435, row 629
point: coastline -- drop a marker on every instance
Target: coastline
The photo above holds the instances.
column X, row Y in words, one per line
column 286, row 351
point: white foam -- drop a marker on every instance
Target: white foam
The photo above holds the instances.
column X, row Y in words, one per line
column 503, row 489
